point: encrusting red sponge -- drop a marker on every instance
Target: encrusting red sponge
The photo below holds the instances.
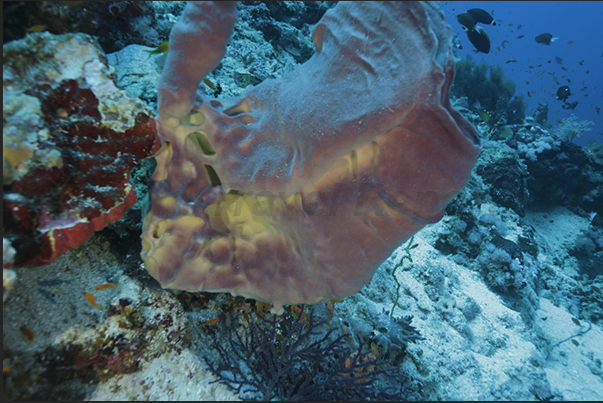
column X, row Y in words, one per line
column 71, row 139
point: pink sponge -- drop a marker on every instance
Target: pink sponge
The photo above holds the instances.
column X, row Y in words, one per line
column 298, row 190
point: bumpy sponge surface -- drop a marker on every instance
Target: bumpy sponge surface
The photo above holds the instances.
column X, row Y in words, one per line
column 298, row 190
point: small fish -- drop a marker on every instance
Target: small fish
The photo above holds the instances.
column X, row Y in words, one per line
column 597, row 109
column 480, row 40
column 46, row 294
column 304, row 317
column 466, row 20
column 570, row 105
column 511, row 61
column 520, row 36
column 519, row 26
column 36, row 28
column 375, row 349
column 91, row 299
column 529, row 95
column 545, row 38
column 581, row 62
column 208, row 82
column 481, row 16
column 336, row 300
column 558, row 60
column 7, row 368
column 587, row 71
column 163, row 48
column 210, row 322
column 559, row 121
column 531, row 67
column 563, row 68
column 104, row 286
column 570, row 42
column 262, row 307
column 563, row 92
column 27, row 333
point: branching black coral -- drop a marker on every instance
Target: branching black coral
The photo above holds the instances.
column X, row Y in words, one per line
column 294, row 357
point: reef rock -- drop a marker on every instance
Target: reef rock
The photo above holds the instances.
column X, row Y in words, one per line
column 70, row 140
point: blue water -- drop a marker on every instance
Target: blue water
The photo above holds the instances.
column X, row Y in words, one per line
column 578, row 21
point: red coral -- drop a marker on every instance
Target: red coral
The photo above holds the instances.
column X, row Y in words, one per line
column 52, row 209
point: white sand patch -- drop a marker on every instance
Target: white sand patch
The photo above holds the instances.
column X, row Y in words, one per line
column 168, row 377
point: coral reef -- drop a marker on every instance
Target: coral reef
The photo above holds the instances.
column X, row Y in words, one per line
column 571, row 128
column 71, row 139
column 505, row 290
column 258, row 195
column 486, row 88
column 116, row 24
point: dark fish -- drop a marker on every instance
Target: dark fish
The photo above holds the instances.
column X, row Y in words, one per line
column 570, row 105
column 466, row 20
column 519, row 26
column 48, row 295
column 511, row 61
column 581, row 62
column 480, row 40
column 545, row 39
column 558, row 60
column 481, row 16
column 563, row 92
column 529, row 95
column 597, row 109
column 520, row 36
column 531, row 67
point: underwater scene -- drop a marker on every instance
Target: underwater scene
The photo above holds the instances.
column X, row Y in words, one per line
column 302, row 200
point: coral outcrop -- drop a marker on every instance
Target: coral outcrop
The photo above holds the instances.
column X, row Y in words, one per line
column 70, row 140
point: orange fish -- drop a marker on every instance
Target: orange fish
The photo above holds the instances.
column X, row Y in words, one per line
column 104, row 286
column 163, row 48
column 262, row 306
column 36, row 28
column 208, row 82
column 210, row 322
column 304, row 317
column 27, row 333
column 91, row 299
